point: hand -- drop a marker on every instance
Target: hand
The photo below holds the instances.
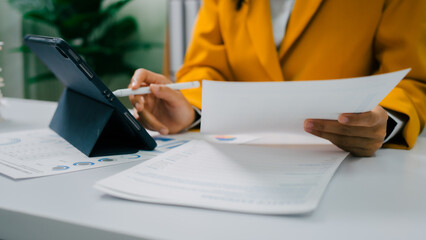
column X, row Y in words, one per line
column 361, row 134
column 163, row 110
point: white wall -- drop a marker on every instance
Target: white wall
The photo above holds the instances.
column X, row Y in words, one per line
column 151, row 16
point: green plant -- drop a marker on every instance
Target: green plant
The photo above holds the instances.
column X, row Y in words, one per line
column 91, row 28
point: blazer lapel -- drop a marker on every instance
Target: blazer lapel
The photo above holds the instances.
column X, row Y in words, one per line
column 259, row 25
column 302, row 14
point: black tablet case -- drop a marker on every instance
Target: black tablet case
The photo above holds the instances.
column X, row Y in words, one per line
column 88, row 115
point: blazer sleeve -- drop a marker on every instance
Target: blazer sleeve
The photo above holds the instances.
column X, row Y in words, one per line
column 401, row 43
column 206, row 56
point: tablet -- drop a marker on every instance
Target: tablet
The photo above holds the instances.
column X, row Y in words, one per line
column 88, row 115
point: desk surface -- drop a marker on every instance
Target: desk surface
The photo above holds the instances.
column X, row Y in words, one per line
column 382, row 197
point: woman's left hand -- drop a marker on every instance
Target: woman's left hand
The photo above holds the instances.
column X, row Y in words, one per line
column 361, row 134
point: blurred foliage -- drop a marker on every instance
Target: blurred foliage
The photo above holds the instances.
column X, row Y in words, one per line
column 91, row 28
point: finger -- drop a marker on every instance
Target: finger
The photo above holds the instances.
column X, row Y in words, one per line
column 136, row 114
column 134, row 82
column 165, row 93
column 333, row 126
column 348, row 142
column 151, row 122
column 358, row 152
column 138, row 102
column 143, row 77
column 365, row 119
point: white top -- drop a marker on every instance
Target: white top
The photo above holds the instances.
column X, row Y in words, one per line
column 280, row 13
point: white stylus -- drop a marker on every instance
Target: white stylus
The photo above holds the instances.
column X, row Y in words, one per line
column 145, row 90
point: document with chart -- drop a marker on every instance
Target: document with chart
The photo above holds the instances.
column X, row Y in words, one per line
column 42, row 152
column 242, row 178
column 275, row 111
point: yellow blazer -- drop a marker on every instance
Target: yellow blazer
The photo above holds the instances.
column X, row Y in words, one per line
column 325, row 39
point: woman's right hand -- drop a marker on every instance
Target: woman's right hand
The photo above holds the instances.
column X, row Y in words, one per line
column 164, row 110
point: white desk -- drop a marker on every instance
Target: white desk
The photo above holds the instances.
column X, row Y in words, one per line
column 383, row 197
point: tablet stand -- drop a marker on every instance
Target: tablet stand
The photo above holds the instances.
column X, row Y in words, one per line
column 92, row 126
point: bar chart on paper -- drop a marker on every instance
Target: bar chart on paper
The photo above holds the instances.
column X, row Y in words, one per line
column 42, row 152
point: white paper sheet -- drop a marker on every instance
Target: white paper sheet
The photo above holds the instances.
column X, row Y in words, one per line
column 42, row 152
column 253, row 179
column 278, row 109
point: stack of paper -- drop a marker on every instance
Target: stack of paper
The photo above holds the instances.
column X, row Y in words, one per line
column 252, row 179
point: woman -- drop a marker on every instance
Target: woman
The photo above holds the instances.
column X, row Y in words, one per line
column 255, row 40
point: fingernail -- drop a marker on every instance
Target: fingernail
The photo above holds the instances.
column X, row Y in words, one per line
column 163, row 131
column 308, row 126
column 344, row 120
